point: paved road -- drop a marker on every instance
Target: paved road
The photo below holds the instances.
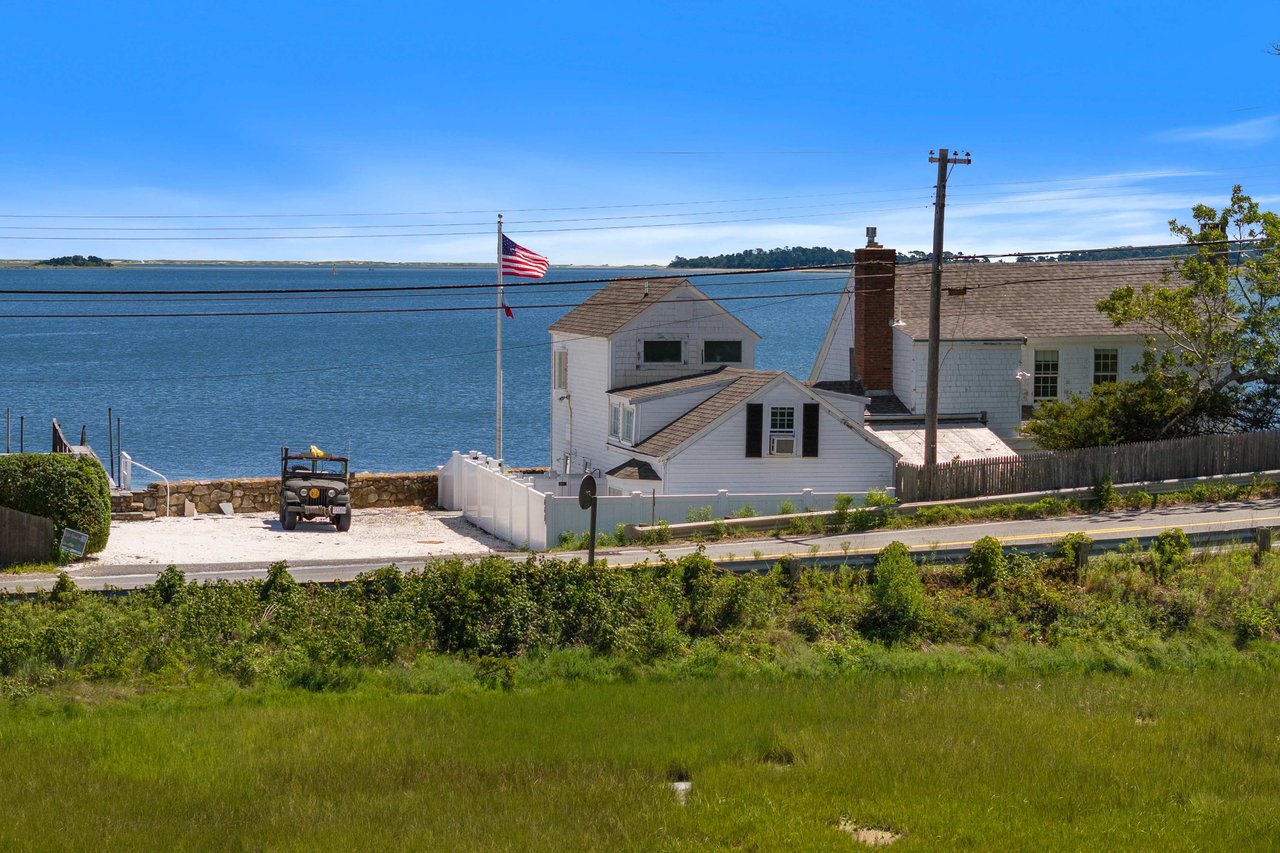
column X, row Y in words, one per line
column 1113, row 527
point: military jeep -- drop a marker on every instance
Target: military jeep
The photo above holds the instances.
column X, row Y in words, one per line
column 314, row 485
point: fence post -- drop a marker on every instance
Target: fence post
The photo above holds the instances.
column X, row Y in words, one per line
column 806, row 500
column 722, row 503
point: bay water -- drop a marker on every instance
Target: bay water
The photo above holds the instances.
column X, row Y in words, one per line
column 214, row 396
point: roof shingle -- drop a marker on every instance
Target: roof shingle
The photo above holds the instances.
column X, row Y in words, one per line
column 745, row 384
column 615, row 305
column 1000, row 301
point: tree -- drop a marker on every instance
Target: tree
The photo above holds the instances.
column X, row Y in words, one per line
column 1212, row 357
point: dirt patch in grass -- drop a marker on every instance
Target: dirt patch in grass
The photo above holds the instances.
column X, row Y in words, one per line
column 872, row 836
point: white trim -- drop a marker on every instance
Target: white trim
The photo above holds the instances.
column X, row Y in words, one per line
column 845, row 303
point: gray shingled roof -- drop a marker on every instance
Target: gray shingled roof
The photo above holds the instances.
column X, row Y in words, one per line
column 675, row 386
column 615, row 305
column 745, row 384
column 1000, row 301
column 634, row 469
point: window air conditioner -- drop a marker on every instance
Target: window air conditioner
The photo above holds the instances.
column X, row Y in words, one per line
column 782, row 445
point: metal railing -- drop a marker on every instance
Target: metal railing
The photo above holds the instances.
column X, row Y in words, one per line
column 126, row 476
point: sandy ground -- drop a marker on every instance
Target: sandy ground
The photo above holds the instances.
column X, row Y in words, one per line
column 375, row 533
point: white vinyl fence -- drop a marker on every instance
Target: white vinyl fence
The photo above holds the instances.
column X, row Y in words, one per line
column 522, row 509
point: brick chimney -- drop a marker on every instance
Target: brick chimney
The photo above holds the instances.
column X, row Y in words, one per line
column 873, row 314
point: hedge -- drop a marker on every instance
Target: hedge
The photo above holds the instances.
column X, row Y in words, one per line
column 72, row 491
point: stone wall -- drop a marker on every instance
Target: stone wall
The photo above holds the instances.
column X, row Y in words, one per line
column 262, row 494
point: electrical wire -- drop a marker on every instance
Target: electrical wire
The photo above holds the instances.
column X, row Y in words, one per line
column 463, row 233
column 379, row 365
column 509, row 222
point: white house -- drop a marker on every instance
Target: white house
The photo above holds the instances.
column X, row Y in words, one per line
column 653, row 384
column 1013, row 334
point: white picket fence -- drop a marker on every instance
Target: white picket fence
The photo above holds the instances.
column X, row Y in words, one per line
column 523, row 509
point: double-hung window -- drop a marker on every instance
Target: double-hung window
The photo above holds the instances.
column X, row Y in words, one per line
column 1045, row 382
column 615, row 420
column 628, row 424
column 782, row 431
column 1106, row 366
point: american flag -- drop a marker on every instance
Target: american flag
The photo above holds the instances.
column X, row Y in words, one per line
column 519, row 261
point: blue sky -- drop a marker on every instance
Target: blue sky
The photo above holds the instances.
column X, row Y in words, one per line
column 1090, row 124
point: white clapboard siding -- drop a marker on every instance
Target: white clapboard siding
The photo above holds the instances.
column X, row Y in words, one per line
column 904, row 371
column 974, row 377
column 1075, row 361
column 847, row 461
column 656, row 412
column 692, row 323
column 832, row 363
column 589, row 402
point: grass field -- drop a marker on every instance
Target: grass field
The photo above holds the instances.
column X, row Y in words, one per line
column 1102, row 762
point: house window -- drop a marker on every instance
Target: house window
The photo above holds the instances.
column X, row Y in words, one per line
column 663, row 352
column 628, row 424
column 782, row 431
column 722, row 352
column 1046, row 375
column 1106, row 366
column 560, row 370
column 615, row 420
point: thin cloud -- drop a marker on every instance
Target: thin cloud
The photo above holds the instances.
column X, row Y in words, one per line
column 1252, row 132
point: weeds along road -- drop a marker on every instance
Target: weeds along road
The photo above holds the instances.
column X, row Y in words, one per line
column 1205, row 524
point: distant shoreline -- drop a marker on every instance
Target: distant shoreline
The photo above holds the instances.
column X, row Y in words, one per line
column 118, row 263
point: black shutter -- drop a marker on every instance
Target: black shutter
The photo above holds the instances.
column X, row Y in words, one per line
column 810, row 427
column 755, row 428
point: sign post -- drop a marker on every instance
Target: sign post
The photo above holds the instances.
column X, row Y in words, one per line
column 74, row 541
column 587, row 500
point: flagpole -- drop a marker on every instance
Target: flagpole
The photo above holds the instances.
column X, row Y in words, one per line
column 501, row 302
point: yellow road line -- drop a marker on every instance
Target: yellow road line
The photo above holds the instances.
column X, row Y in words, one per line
column 1137, row 528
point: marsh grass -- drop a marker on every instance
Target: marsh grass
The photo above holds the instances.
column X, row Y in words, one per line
column 1089, row 762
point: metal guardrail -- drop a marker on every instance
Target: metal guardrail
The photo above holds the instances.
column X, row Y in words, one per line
column 126, row 476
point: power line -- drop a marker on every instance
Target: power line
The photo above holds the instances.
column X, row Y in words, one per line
column 353, row 311
column 340, row 226
column 460, row 233
column 957, row 259
column 380, row 364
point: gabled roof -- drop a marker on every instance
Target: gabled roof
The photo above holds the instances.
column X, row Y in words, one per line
column 1000, row 301
column 663, row 387
column 634, row 469
column 692, row 422
column 743, row 385
column 613, row 306
column 1004, row 302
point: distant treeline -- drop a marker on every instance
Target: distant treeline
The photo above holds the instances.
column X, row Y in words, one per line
column 798, row 256
column 75, row 261
column 1120, row 253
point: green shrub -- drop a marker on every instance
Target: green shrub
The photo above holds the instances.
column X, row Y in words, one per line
column 719, row 529
column 747, row 511
column 699, row 513
column 1168, row 552
column 72, row 491
column 878, row 498
column 1252, row 622
column 786, row 507
column 985, row 565
column 840, row 515
column 897, row 594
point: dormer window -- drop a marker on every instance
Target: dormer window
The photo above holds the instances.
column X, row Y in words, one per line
column 722, row 352
column 622, row 422
column 663, row 352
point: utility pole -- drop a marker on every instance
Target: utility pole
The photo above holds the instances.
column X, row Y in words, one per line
column 935, row 308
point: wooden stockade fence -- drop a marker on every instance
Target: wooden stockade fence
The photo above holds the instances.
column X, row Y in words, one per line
column 1149, row 461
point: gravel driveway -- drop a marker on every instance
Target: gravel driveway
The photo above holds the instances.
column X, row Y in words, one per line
column 396, row 533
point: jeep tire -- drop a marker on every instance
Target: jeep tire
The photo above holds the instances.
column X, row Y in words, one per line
column 288, row 518
column 343, row 522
